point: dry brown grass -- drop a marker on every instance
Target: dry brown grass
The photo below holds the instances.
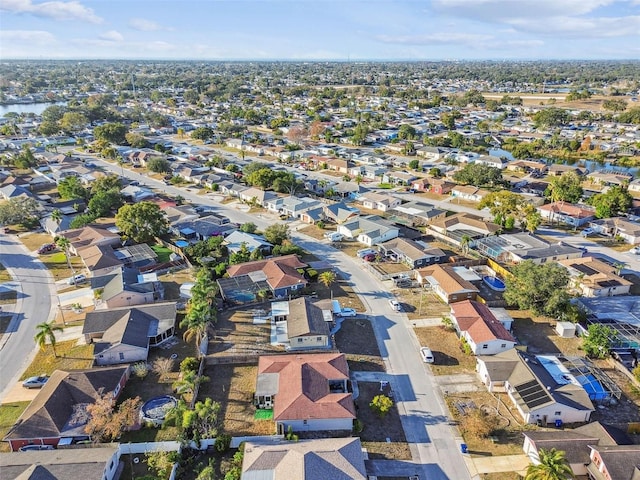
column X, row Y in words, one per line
column 172, row 282
column 315, row 232
column 70, row 357
column 390, row 268
column 507, row 431
column 449, row 357
column 236, row 334
column 233, row 387
column 33, row 241
column 4, row 274
column 538, row 334
column 430, row 306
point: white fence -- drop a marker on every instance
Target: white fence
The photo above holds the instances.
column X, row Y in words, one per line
column 275, row 439
column 148, row 447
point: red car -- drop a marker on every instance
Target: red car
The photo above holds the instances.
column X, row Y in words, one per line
column 46, row 248
column 369, row 257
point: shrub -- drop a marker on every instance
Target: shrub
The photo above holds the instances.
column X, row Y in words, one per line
column 636, row 373
column 162, row 366
column 478, row 423
column 222, row 442
column 189, row 363
column 465, row 347
column 358, row 426
column 381, row 404
column 140, row 369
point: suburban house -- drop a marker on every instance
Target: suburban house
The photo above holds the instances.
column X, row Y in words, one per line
column 203, row 228
column 469, row 193
column 339, row 212
column 307, row 324
column 432, row 153
column 369, row 230
column 257, row 196
column 537, row 386
column 420, row 185
column 411, row 253
column 100, row 259
column 461, row 225
column 626, row 229
column 595, row 278
column 296, row 206
column 236, row 239
column 124, row 334
column 482, row 331
column 448, row 282
column 57, row 415
column 527, row 166
column 280, row 274
column 558, row 169
column 607, row 178
column 112, row 290
column 440, row 186
column 338, row 165
column 568, row 213
column 317, row 459
column 492, row 161
column 87, row 236
column 308, row 392
column 99, row 462
column 378, row 201
column 614, row 462
column 576, row 443
column 135, row 193
column 518, row 247
column 418, row 213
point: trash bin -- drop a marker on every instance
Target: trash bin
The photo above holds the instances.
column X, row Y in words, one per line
column 558, row 423
column 463, row 447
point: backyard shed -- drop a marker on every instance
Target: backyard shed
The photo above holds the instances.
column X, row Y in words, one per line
column 566, row 329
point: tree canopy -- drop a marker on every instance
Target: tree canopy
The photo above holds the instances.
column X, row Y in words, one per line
column 611, row 203
column 142, row 221
column 71, row 187
column 19, row 210
column 111, row 132
column 539, row 288
column 479, row 175
column 565, row 188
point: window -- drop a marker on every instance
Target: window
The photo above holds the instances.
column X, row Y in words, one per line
column 299, row 340
column 121, row 356
column 318, row 339
column 485, row 346
column 557, row 414
column 503, row 345
column 304, row 422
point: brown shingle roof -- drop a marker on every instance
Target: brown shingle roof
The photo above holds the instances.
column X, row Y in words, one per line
column 304, row 386
column 305, row 319
column 280, row 272
column 448, row 279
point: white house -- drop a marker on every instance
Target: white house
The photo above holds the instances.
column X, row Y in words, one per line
column 369, row 230
column 482, row 331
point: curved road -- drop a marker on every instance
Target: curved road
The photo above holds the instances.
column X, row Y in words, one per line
column 35, row 296
column 434, row 445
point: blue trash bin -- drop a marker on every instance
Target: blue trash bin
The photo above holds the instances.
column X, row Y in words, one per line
column 558, row 423
column 463, row 447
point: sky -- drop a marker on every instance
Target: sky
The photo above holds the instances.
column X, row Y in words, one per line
column 320, row 29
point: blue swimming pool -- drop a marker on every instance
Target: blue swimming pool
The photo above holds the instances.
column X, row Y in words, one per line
column 181, row 243
column 494, row 283
column 593, row 387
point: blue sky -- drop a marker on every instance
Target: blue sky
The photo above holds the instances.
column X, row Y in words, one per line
column 320, row 29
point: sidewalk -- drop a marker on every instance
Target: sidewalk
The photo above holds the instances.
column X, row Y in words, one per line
column 505, row 463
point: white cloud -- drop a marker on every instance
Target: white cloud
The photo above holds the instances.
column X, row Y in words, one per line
column 581, row 27
column 112, row 36
column 57, row 10
column 145, row 25
column 38, row 37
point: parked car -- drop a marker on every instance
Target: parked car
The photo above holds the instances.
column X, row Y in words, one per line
column 427, row 355
column 348, row 312
column 35, row 382
column 30, row 448
column 77, row 279
column 370, row 257
column 46, row 248
column 587, row 231
column 395, row 305
column 366, row 251
column 635, row 251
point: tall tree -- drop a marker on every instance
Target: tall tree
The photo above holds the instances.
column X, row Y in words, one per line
column 107, row 422
column 539, row 288
column 56, row 216
column 565, row 188
column 553, row 466
column 612, row 202
column 64, row 244
column 71, row 187
column 141, row 222
column 46, row 331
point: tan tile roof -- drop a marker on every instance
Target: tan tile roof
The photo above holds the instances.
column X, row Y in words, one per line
column 568, row 209
column 447, row 278
column 478, row 321
column 304, row 386
column 465, row 219
column 602, row 272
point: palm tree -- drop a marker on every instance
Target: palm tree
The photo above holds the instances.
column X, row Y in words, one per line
column 327, row 278
column 64, row 244
column 56, row 216
column 464, row 243
column 553, row 466
column 47, row 331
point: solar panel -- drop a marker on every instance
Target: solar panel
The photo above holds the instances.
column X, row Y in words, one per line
column 532, row 393
column 584, row 269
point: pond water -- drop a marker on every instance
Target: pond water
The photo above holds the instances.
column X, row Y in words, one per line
column 36, row 108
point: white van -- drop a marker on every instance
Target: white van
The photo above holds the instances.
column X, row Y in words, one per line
column 334, row 236
column 366, row 251
column 77, row 279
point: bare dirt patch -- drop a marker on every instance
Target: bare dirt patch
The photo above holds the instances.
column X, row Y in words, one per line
column 539, row 335
column 233, row 387
column 237, row 335
column 421, row 303
column 382, row 437
column 357, row 340
column 315, row 232
column 449, row 358
column 173, row 280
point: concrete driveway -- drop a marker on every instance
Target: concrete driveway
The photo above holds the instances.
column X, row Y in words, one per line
column 17, row 393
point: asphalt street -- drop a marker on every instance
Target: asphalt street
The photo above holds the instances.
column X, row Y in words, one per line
column 36, row 295
column 434, row 443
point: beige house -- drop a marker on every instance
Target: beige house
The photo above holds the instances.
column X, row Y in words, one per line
column 447, row 282
column 378, row 201
column 307, row 324
column 594, row 278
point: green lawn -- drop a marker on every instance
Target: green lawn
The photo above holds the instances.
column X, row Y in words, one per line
column 9, row 413
column 70, row 357
column 162, row 252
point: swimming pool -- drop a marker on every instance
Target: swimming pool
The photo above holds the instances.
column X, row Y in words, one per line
column 181, row 243
column 155, row 409
column 494, row 283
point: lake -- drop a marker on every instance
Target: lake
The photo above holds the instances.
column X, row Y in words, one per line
column 36, row 108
